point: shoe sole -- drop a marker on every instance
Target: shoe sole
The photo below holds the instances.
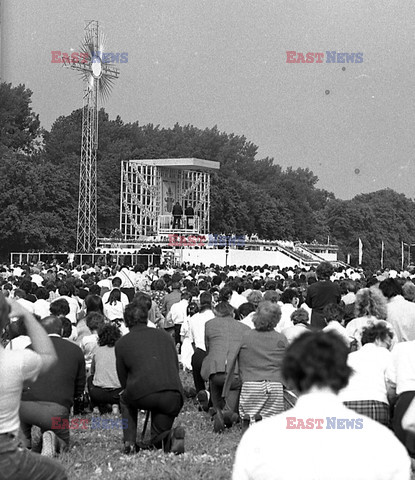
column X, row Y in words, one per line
column 218, row 422
column 48, row 444
column 177, row 441
column 203, row 401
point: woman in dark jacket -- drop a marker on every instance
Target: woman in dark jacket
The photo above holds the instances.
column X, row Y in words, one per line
column 148, row 370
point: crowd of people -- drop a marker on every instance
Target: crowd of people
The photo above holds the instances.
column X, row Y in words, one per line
column 268, row 349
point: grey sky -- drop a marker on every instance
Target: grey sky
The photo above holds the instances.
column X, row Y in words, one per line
column 223, row 63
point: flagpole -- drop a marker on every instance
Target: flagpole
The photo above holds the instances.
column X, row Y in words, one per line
column 402, row 251
column 360, row 251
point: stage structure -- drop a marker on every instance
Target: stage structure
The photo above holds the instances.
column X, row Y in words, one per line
column 98, row 76
column 150, row 188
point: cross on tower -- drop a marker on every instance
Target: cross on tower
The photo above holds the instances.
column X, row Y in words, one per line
column 98, row 77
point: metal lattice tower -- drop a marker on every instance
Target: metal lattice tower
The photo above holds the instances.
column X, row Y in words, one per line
column 98, row 76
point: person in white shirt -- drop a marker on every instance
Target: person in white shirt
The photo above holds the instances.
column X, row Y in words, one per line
column 15, row 368
column 300, row 319
column 20, row 296
column 178, row 314
column 400, row 376
column 113, row 307
column 311, row 440
column 333, row 314
column 74, row 307
column 366, row 392
column 289, row 303
column 401, row 313
column 246, row 314
column 41, row 306
column 116, row 283
column 197, row 337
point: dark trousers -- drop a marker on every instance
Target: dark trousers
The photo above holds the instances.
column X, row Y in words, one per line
column 164, row 407
column 177, row 339
column 189, row 222
column 103, row 396
column 231, row 402
column 17, row 463
column 317, row 322
column 130, row 292
column 177, row 221
column 401, row 406
column 41, row 414
column 197, row 360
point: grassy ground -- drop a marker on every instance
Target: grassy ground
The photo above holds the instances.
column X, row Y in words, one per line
column 96, row 454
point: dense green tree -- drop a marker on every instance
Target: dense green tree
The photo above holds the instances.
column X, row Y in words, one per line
column 19, row 126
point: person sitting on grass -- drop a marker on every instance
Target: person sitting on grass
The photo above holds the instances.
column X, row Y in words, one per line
column 320, row 427
column 148, row 370
column 103, row 384
column 16, row 367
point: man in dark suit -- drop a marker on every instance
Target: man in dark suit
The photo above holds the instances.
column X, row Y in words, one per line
column 321, row 293
column 177, row 215
column 148, row 370
column 46, row 402
column 190, row 213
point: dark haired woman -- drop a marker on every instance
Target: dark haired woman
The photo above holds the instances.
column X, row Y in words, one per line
column 159, row 292
column 259, row 357
column 92, row 303
column 113, row 307
column 103, row 384
column 148, row 369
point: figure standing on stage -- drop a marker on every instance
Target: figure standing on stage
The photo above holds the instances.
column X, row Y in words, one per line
column 177, row 215
column 190, row 213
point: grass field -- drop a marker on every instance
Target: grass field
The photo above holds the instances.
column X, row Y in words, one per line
column 96, row 454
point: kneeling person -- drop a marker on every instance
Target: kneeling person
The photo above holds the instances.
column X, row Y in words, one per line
column 148, row 369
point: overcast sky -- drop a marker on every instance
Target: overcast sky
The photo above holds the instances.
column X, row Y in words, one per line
column 223, row 63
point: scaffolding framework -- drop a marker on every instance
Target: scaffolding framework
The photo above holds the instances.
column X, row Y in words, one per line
column 150, row 188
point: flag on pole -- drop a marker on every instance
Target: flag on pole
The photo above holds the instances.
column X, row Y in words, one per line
column 348, row 259
column 403, row 255
column 360, row 251
column 381, row 255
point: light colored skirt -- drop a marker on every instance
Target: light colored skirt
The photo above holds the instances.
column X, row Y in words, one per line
column 263, row 398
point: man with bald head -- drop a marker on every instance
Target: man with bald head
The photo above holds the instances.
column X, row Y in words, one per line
column 52, row 394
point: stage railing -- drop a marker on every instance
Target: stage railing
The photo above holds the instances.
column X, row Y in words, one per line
column 187, row 225
column 117, row 258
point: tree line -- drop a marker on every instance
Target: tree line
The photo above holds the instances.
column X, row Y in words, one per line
column 39, row 174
